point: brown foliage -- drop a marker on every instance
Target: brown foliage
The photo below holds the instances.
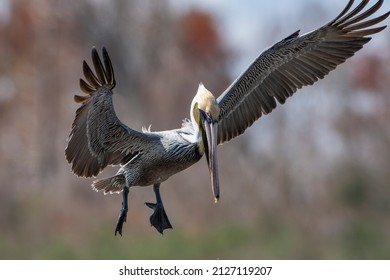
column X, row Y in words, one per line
column 316, row 164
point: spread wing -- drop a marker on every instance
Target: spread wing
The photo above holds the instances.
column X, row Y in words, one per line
column 292, row 63
column 98, row 138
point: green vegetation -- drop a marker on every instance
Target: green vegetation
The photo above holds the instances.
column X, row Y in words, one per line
column 362, row 241
column 309, row 181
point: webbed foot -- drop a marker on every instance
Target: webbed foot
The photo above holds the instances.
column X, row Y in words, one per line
column 159, row 218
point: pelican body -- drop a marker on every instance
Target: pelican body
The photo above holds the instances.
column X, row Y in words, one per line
column 98, row 138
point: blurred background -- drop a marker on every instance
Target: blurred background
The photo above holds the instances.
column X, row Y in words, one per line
column 311, row 180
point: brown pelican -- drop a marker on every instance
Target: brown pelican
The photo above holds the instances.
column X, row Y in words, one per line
column 98, row 138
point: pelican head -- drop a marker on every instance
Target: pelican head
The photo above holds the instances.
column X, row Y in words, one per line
column 205, row 117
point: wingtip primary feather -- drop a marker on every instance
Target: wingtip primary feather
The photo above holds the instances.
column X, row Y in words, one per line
column 108, row 67
column 104, row 75
column 80, row 99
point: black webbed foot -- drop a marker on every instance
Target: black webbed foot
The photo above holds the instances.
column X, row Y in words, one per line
column 123, row 212
column 159, row 218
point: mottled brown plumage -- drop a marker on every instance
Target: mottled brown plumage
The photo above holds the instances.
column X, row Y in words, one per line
column 98, row 138
column 292, row 63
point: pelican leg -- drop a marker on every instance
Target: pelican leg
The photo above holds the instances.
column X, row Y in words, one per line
column 123, row 212
column 159, row 218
